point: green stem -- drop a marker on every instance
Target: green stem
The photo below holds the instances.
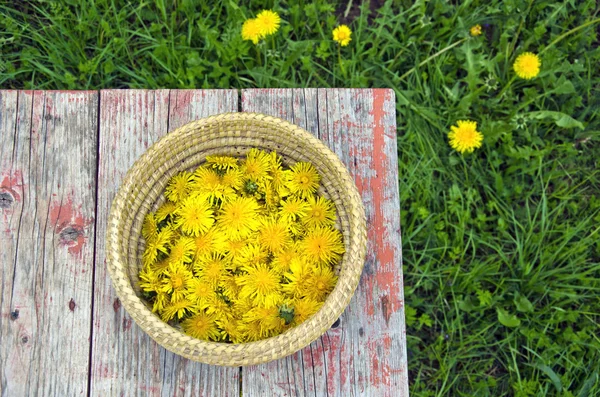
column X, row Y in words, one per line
column 507, row 86
column 562, row 36
column 440, row 52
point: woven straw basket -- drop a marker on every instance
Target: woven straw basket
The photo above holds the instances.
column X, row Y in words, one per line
column 232, row 134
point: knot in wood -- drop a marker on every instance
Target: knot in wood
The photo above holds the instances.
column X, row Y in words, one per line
column 6, row 200
column 14, row 315
column 70, row 234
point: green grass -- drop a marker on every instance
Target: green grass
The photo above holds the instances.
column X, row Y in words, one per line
column 501, row 247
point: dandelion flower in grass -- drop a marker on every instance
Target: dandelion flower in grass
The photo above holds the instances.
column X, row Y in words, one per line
column 177, row 308
column 256, row 165
column 321, row 212
column 527, row 65
column 237, row 218
column 201, row 326
column 304, row 308
column 273, row 235
column 179, row 186
column 195, row 215
column 177, row 280
column 261, row 284
column 322, row 245
column 475, row 30
column 292, row 209
column 161, row 300
column 160, row 243
column 222, row 162
column 268, row 21
column 150, row 227
column 464, row 137
column 342, row 34
column 165, row 211
column 304, row 179
column 268, row 319
column 209, row 242
column 182, row 251
column 297, row 278
column 252, row 30
column 150, row 281
column 322, row 281
column 200, row 292
column 212, row 268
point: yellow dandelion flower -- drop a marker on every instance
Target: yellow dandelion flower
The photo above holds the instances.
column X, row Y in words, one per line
column 304, row 179
column 161, row 266
column 251, row 332
column 177, row 308
column 232, row 179
column 211, row 268
column 261, row 284
column 475, row 30
column 321, row 212
column 269, row 194
column 322, row 281
column 229, row 287
column 161, row 300
column 238, row 217
column 322, row 245
column 160, row 243
column 269, row 22
column 179, row 186
column 209, row 242
column 268, row 319
column 200, row 292
column 177, row 280
column 182, row 251
column 292, row 209
column 251, row 254
column 150, row 227
column 252, row 30
column 149, row 280
column 201, row 326
column 256, row 165
column 297, row 278
column 280, row 177
column 230, row 329
column 222, row 162
column 273, row 235
column 208, row 181
column 219, row 308
column 527, row 65
column 165, row 211
column 465, row 137
column 342, row 34
column 233, row 249
column 303, row 309
column 283, row 259
column 195, row 215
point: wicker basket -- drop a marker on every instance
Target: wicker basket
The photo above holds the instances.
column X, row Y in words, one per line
column 186, row 148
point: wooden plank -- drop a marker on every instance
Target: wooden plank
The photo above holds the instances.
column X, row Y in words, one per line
column 366, row 353
column 125, row 361
column 48, row 149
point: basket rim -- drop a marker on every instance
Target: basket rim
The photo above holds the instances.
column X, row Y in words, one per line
column 175, row 340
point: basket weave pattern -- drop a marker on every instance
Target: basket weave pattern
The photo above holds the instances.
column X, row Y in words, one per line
column 231, row 134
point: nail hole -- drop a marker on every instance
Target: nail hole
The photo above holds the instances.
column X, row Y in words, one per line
column 24, row 339
column 14, row 315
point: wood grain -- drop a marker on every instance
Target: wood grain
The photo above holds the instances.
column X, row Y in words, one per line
column 125, row 361
column 366, row 353
column 48, row 149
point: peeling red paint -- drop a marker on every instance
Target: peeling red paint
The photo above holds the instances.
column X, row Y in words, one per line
column 66, row 214
column 13, row 184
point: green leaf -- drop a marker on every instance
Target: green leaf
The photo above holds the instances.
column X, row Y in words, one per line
column 564, row 86
column 553, row 376
column 508, row 320
column 560, row 119
column 466, row 304
column 523, row 304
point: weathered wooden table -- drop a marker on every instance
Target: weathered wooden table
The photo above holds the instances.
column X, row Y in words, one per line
column 63, row 331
